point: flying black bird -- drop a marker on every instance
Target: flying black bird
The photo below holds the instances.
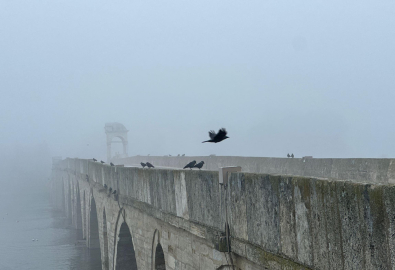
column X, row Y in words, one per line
column 217, row 137
column 199, row 165
column 94, row 159
column 288, row 155
column 190, row 164
column 105, row 186
column 101, row 161
column 110, row 190
column 112, row 164
column 292, row 155
column 114, row 192
column 143, row 164
column 149, row 165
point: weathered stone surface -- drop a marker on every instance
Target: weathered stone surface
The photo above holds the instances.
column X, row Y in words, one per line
column 276, row 222
column 263, row 221
column 287, row 218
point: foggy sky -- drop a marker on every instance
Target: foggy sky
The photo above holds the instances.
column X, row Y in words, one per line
column 308, row 77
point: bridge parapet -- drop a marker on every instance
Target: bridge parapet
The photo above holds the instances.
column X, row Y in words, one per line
column 278, row 222
column 364, row 170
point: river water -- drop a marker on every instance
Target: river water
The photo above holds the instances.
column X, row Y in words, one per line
column 26, row 214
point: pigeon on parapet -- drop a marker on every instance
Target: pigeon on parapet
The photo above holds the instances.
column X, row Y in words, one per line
column 183, row 155
column 149, row 165
column 143, row 164
column 94, row 159
column 190, row 164
column 112, row 164
column 199, row 165
column 105, row 186
column 288, row 156
column 114, row 192
column 110, row 189
column 217, row 137
column 102, row 162
column 292, row 155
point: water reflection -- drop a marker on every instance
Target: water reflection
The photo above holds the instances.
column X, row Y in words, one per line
column 25, row 216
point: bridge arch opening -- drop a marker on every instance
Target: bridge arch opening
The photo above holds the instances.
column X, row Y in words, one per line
column 126, row 257
column 160, row 263
column 63, row 197
column 84, row 224
column 105, row 242
column 69, row 212
column 79, row 215
column 94, row 241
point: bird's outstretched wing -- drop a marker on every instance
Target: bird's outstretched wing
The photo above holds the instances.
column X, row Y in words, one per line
column 221, row 133
column 212, row 134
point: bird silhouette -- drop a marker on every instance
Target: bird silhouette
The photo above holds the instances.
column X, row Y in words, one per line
column 110, row 190
column 94, row 159
column 143, row 164
column 292, row 155
column 190, row 164
column 112, row 164
column 217, row 137
column 105, row 186
column 199, row 165
column 288, row 155
column 114, row 192
column 183, row 155
column 149, row 165
column 102, row 162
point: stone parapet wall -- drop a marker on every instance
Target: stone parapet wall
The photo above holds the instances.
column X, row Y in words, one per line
column 352, row 169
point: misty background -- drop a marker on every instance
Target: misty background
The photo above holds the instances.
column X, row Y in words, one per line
column 304, row 77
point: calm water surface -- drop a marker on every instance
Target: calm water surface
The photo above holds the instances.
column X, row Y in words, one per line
column 26, row 214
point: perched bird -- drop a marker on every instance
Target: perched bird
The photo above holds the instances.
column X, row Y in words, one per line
column 105, row 186
column 288, row 155
column 101, row 161
column 87, row 178
column 112, row 164
column 94, row 159
column 199, row 165
column 178, row 155
column 292, row 155
column 217, row 137
column 110, row 189
column 183, row 155
column 143, row 164
column 169, row 155
column 190, row 164
column 114, row 192
column 149, row 165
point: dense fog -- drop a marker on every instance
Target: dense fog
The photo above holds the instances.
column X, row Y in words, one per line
column 305, row 77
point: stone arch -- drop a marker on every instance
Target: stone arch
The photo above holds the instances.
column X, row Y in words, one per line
column 125, row 253
column 63, row 197
column 84, row 223
column 94, row 240
column 69, row 211
column 158, row 256
column 79, row 214
column 105, row 265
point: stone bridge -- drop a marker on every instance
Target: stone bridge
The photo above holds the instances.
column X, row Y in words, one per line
column 174, row 219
